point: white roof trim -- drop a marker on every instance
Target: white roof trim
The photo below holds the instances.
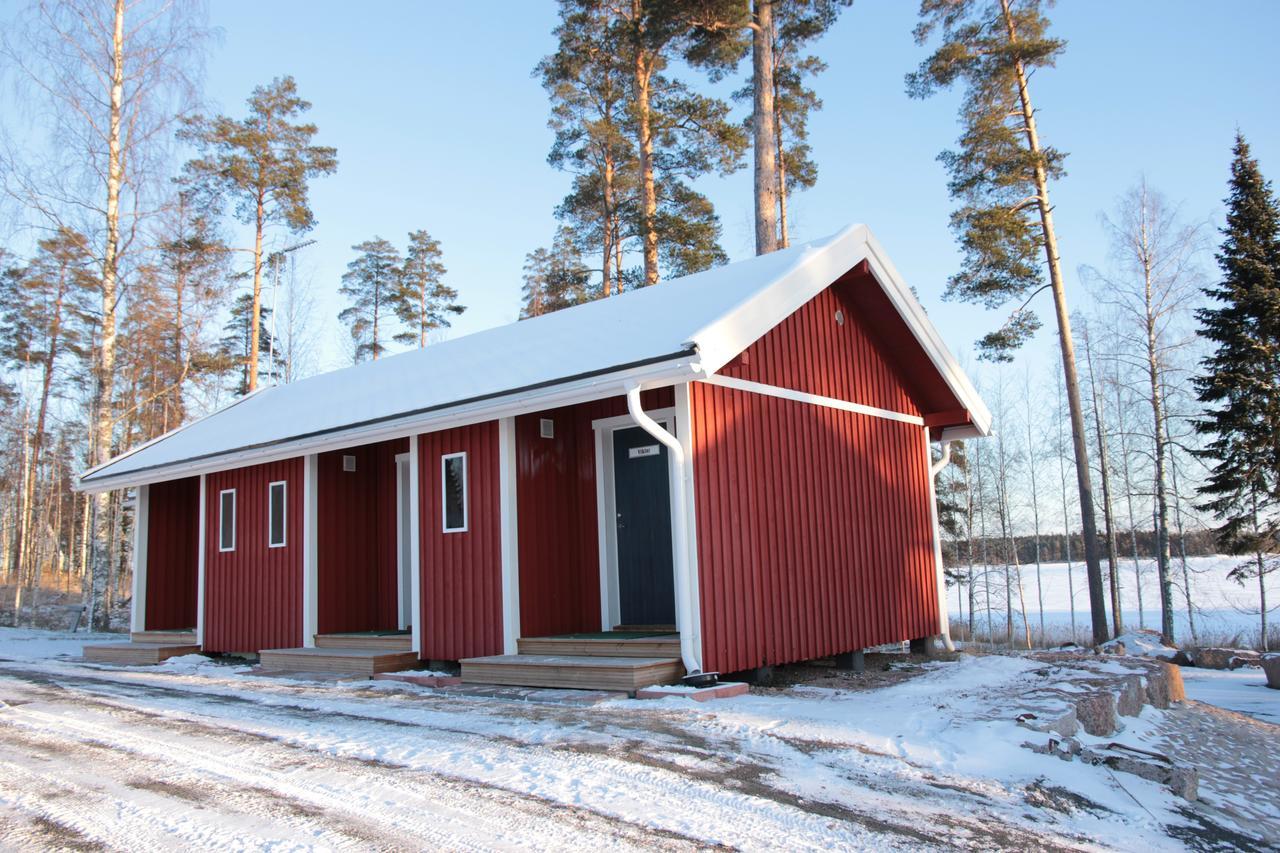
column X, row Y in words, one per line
column 660, row 335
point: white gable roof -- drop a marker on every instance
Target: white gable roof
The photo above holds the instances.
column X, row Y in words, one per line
column 654, row 336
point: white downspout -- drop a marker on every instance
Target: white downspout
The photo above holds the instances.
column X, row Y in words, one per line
column 934, row 470
column 690, row 652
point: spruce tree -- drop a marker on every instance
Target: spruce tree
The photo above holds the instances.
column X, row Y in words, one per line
column 1000, row 174
column 233, row 349
column 423, row 302
column 263, row 162
column 372, row 287
column 1240, row 382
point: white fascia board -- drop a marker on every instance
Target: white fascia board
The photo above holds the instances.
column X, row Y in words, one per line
column 891, row 282
column 593, row 388
column 722, row 341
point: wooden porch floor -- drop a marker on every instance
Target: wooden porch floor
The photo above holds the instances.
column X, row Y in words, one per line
column 583, row 661
column 345, row 661
column 144, row 647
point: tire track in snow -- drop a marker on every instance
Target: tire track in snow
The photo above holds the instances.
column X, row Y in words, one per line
column 443, row 812
column 607, row 784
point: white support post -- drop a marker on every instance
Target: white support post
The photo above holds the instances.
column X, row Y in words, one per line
column 200, row 568
column 684, row 434
column 310, row 548
column 138, row 602
column 415, row 544
column 510, row 548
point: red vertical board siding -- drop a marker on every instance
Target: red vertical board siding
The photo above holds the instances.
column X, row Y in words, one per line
column 253, row 595
column 814, row 532
column 356, row 539
column 811, row 351
column 461, row 576
column 559, row 553
column 173, row 554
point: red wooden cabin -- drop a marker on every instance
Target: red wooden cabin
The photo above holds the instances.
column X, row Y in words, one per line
column 734, row 466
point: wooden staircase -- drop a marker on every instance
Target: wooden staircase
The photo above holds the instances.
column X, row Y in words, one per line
column 345, row 654
column 583, row 662
column 144, row 647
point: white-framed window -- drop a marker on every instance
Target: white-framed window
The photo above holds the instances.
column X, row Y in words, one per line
column 453, row 492
column 227, row 520
column 277, row 518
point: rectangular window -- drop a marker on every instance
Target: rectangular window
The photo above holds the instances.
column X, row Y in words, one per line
column 453, row 499
column 227, row 520
column 276, row 515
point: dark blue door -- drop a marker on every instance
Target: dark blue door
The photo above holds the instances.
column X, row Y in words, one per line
column 642, row 498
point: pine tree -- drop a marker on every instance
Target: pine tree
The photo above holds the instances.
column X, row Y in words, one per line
column 372, row 287
column 264, row 163
column 423, row 302
column 1000, row 175
column 588, row 85
column 1240, row 382
column 555, row 278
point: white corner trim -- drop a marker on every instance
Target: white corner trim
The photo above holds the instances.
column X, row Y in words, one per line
column 811, row 399
column 200, row 567
column 684, row 434
column 415, row 545
column 141, row 521
column 510, row 542
column 602, row 534
column 310, row 551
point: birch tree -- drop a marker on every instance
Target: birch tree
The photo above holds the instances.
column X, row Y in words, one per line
column 1154, row 288
column 110, row 79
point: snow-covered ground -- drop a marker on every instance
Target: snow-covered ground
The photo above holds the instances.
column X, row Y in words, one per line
column 1223, row 608
column 201, row 754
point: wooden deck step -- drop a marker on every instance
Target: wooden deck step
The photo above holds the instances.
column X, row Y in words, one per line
column 352, row 661
column 641, row 647
column 574, row 671
column 137, row 653
column 385, row 642
column 174, row 638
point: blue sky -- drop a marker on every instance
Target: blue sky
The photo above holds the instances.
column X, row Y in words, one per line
column 439, row 125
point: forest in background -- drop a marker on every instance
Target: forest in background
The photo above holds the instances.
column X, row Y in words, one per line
column 128, row 308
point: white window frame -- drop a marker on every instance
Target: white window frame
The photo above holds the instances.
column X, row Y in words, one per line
column 222, row 547
column 444, row 494
column 284, row 514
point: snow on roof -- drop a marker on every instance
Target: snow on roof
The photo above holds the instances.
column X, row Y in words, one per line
column 655, row 335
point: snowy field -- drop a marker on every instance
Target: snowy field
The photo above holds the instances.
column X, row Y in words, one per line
column 195, row 754
column 1223, row 608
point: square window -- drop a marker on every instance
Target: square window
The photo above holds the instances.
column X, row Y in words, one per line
column 453, row 487
column 546, row 428
column 276, row 518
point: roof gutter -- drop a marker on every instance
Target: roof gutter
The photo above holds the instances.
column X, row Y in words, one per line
column 673, row 368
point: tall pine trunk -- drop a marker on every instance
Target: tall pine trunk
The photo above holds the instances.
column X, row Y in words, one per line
column 642, row 74
column 763, row 127
column 255, row 318
column 105, row 379
column 1084, row 480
